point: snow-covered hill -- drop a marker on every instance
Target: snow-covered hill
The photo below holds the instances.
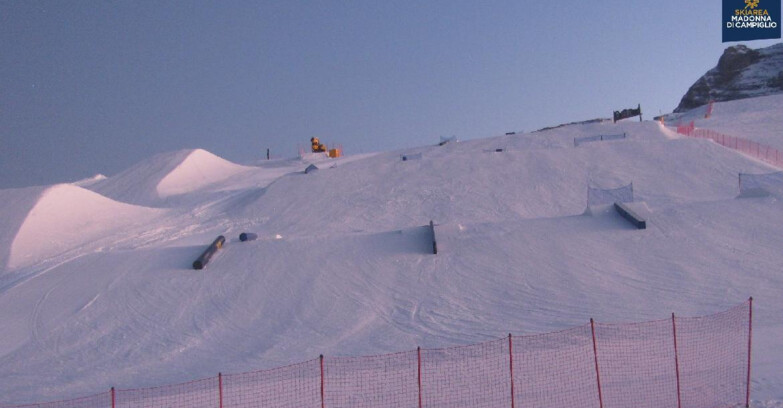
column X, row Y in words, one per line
column 97, row 289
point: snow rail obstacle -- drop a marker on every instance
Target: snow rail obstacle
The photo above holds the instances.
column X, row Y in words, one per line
column 630, row 215
column 690, row 362
column 203, row 260
column 757, row 150
column 597, row 138
column 768, row 183
column 434, row 242
column 248, row 236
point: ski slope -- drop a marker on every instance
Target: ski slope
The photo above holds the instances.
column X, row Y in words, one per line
column 97, row 289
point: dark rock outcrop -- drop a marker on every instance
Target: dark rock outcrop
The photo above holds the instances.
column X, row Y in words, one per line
column 741, row 73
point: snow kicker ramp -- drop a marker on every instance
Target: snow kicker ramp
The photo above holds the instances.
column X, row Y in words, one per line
column 166, row 175
column 59, row 218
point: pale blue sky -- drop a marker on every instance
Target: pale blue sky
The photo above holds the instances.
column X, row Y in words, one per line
column 92, row 87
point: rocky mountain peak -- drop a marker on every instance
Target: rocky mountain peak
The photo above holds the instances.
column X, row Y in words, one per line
column 741, row 72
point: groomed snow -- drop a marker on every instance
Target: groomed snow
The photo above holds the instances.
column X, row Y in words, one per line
column 342, row 263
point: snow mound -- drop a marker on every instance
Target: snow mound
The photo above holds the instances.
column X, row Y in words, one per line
column 16, row 205
column 64, row 217
column 166, row 175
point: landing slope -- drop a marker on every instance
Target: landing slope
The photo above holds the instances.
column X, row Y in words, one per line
column 50, row 221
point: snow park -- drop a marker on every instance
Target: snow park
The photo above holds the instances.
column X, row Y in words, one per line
column 632, row 260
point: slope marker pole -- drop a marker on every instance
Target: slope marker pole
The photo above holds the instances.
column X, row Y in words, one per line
column 750, row 336
column 220, row 389
column 418, row 359
column 597, row 373
column 322, row 380
column 676, row 361
column 511, row 367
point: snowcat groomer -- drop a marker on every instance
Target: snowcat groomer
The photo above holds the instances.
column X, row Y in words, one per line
column 317, row 145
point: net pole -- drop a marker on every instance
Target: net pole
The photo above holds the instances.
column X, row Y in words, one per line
column 511, row 367
column 418, row 362
column 220, row 390
column 676, row 361
column 750, row 336
column 113, row 398
column 321, row 358
column 597, row 373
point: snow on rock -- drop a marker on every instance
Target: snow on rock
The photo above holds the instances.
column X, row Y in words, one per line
column 165, row 175
column 63, row 217
column 741, row 73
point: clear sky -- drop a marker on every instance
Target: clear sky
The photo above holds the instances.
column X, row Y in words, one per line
column 91, row 87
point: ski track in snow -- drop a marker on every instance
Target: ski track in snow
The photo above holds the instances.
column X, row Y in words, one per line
column 343, row 262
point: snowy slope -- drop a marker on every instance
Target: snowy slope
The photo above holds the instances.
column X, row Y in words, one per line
column 757, row 119
column 342, row 264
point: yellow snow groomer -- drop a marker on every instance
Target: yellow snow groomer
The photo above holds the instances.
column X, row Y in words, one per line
column 317, row 145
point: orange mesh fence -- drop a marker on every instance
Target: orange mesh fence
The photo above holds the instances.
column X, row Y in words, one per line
column 195, row 394
column 760, row 151
column 700, row 362
column 637, row 360
column 555, row 370
column 297, row 385
column 468, row 376
column 375, row 381
column 713, row 357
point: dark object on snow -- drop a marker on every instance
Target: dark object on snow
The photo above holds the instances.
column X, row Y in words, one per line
column 202, row 261
column 631, row 216
column 628, row 113
column 434, row 243
column 510, row 133
column 444, row 140
column 248, row 236
column 499, row 150
column 311, row 168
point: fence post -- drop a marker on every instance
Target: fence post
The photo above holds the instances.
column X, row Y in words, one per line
column 676, row 361
column 220, row 390
column 321, row 358
column 418, row 359
column 597, row 373
column 511, row 367
column 113, row 399
column 750, row 334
